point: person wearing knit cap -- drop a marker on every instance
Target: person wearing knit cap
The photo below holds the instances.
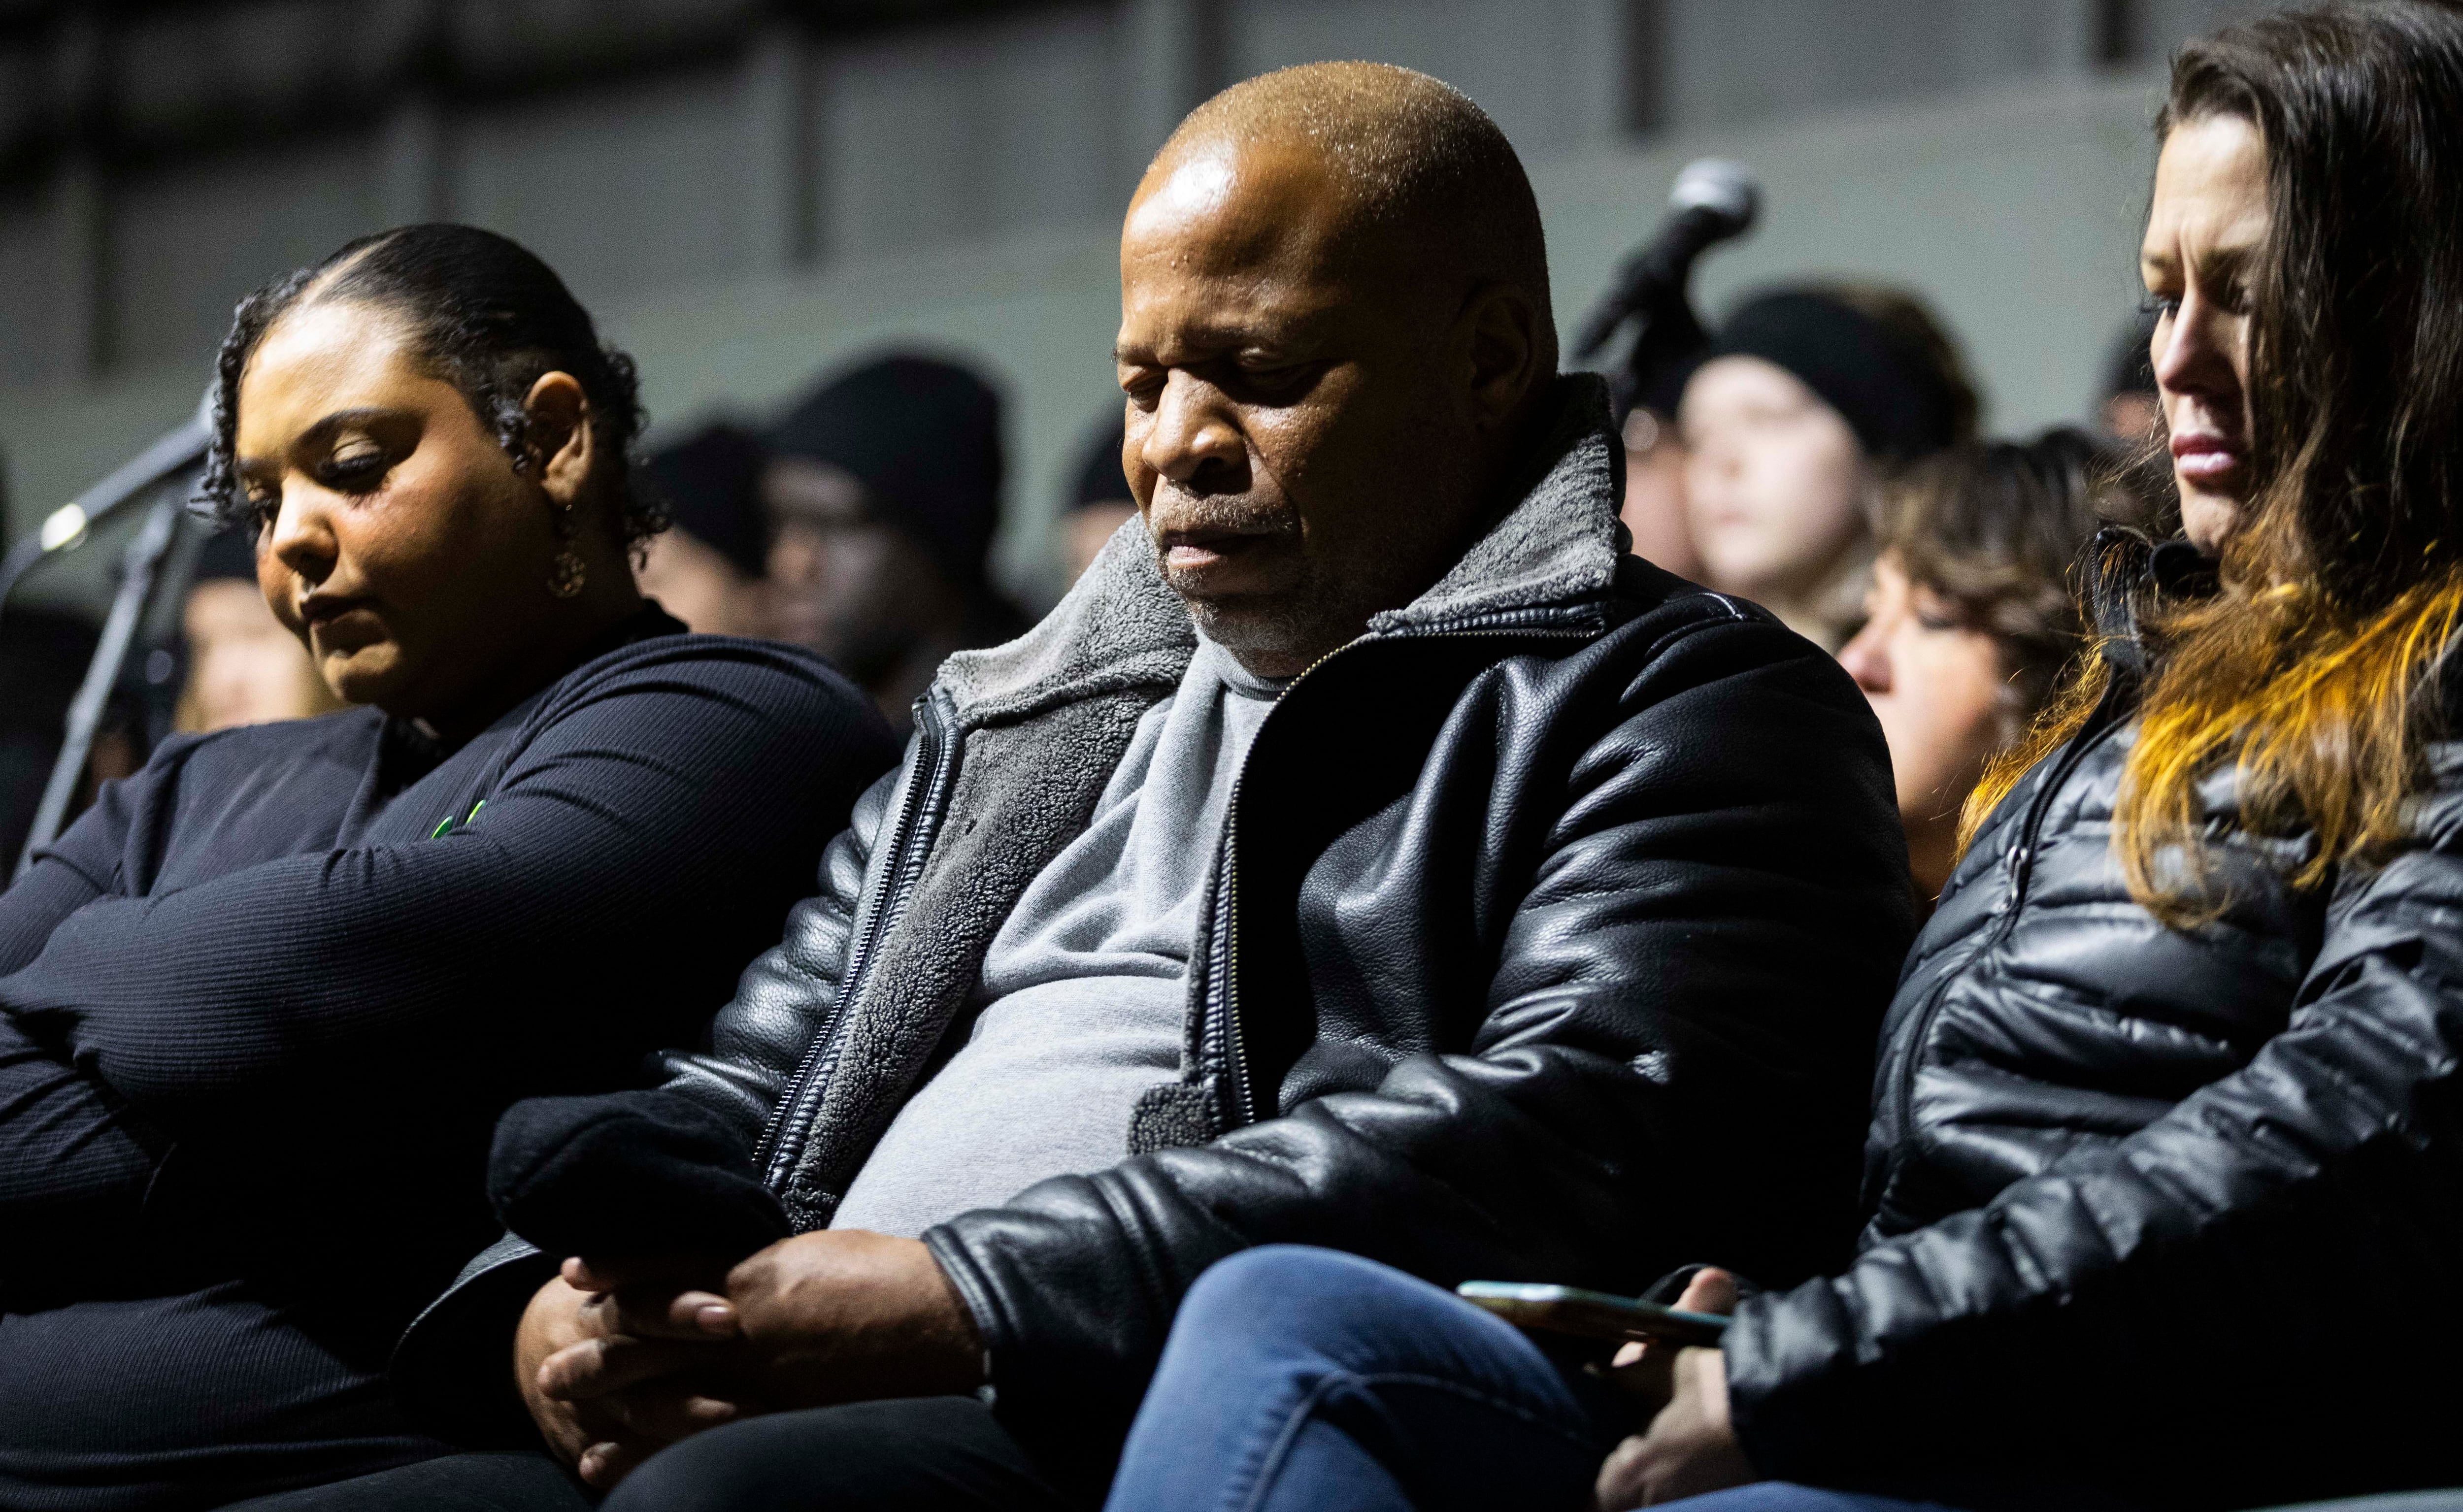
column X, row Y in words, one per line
column 883, row 496
column 1806, row 399
column 1100, row 502
column 706, row 567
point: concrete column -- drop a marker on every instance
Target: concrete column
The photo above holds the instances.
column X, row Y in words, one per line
column 1615, row 73
column 2116, row 37
column 80, row 198
column 1178, row 54
column 2081, row 34
column 416, row 174
column 81, row 255
column 780, row 201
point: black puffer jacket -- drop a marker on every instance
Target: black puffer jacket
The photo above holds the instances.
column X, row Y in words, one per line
column 1548, row 939
column 2160, row 1218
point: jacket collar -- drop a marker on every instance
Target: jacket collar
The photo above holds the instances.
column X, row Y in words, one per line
column 2124, row 573
column 1554, row 552
column 1548, row 558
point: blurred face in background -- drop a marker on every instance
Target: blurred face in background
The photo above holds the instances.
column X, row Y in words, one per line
column 2205, row 229
column 1774, row 480
column 858, row 591
column 695, row 582
column 2132, row 417
column 1085, row 529
column 1940, row 689
column 245, row 667
column 1654, row 494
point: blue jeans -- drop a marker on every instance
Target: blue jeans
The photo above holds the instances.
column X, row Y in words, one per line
column 1304, row 1380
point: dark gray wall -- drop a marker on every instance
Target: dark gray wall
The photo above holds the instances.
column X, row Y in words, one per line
column 767, row 200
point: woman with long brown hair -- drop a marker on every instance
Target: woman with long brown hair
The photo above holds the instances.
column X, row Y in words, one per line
column 2166, row 1172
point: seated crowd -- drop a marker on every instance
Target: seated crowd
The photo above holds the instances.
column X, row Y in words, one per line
column 1991, row 951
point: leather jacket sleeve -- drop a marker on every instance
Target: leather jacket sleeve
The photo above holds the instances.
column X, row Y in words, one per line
column 784, row 999
column 2251, row 1300
column 1678, row 1032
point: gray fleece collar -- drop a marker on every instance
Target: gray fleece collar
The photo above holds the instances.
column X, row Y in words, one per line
column 1558, row 546
column 1120, row 627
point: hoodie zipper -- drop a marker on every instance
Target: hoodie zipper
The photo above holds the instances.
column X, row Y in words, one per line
column 1225, row 951
column 905, row 846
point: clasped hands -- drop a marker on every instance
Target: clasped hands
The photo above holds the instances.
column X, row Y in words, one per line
column 1690, row 1447
column 617, row 1358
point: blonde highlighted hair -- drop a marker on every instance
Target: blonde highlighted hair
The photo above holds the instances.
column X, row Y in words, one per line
column 2314, row 668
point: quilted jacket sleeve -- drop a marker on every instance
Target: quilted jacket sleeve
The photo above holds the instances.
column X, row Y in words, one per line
column 2254, row 1299
column 1676, row 1041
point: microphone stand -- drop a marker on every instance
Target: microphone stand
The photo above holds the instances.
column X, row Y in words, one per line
column 141, row 569
column 169, row 460
column 176, row 450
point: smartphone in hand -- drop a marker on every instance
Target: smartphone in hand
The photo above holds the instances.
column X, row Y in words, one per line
column 1592, row 1314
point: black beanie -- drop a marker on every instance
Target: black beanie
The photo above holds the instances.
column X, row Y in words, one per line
column 229, row 552
column 712, row 482
column 1879, row 383
column 924, row 438
column 1100, row 477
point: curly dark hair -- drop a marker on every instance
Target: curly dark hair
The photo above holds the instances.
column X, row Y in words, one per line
column 1995, row 528
column 486, row 316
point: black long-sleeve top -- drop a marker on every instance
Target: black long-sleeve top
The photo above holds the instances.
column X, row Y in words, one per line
column 260, row 1007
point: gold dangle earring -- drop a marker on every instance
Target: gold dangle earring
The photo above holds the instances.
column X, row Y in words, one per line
column 566, row 574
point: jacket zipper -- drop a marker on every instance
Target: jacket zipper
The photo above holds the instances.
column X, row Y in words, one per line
column 2023, row 860
column 1225, row 1014
column 930, row 773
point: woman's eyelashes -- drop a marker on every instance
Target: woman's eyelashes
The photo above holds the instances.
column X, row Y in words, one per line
column 354, row 468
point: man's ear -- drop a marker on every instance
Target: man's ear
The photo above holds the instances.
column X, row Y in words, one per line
column 558, row 415
column 1500, row 343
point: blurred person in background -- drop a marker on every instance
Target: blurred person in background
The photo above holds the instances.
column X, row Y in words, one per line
column 1971, row 618
column 1654, row 510
column 244, row 666
column 1806, row 398
column 706, row 567
column 883, row 496
column 1098, row 505
column 2130, row 409
column 261, row 1003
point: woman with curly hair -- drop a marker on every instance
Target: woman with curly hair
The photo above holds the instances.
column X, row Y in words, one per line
column 1972, row 618
column 261, row 1005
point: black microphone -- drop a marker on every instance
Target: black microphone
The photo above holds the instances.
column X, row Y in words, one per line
column 1713, row 201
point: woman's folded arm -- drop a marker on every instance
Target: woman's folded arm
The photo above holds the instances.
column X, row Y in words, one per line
column 520, row 951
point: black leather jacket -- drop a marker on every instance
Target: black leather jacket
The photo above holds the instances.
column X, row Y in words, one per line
column 1548, row 939
column 2160, row 1218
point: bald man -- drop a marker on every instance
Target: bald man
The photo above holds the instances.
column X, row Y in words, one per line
column 1368, row 852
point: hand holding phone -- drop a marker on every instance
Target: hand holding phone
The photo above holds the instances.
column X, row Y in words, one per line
column 1592, row 1314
